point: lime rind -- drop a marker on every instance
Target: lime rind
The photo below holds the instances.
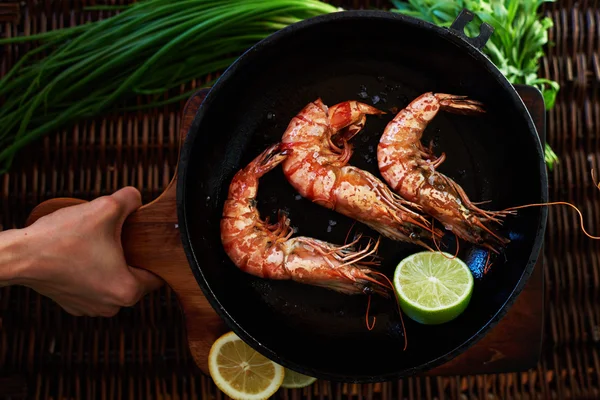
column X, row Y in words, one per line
column 433, row 288
column 296, row 380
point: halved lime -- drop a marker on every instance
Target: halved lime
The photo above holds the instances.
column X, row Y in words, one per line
column 433, row 288
column 293, row 379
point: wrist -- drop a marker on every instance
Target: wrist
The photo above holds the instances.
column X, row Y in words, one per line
column 15, row 260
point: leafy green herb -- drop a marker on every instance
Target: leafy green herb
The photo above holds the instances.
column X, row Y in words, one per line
column 515, row 47
column 147, row 49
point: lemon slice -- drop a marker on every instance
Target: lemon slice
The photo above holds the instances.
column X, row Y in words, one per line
column 433, row 288
column 296, row 380
column 241, row 372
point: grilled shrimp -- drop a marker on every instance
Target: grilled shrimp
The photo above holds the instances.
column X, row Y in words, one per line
column 317, row 168
column 410, row 169
column 269, row 251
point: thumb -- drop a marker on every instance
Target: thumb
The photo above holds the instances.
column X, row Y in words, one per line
column 129, row 200
column 147, row 279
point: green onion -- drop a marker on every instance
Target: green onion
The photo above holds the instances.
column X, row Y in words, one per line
column 516, row 45
column 148, row 48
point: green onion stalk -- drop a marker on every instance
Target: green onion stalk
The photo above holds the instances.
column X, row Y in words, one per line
column 515, row 47
column 147, row 48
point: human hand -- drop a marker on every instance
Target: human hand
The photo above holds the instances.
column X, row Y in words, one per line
column 76, row 257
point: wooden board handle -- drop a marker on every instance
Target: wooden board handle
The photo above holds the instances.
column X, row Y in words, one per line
column 148, row 236
column 151, row 240
column 140, row 229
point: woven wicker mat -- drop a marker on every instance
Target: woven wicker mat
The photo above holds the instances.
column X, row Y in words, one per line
column 142, row 354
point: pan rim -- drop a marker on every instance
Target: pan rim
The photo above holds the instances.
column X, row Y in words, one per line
column 443, row 34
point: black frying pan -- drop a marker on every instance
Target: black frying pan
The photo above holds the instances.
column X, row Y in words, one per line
column 339, row 57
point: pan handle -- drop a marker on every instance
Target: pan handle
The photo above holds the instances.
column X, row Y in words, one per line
column 458, row 26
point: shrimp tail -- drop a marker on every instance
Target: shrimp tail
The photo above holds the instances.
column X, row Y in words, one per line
column 267, row 160
column 351, row 115
column 459, row 104
column 346, row 134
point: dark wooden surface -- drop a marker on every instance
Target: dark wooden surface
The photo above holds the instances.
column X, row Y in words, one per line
column 151, row 240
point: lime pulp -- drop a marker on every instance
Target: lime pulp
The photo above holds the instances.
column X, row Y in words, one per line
column 433, row 287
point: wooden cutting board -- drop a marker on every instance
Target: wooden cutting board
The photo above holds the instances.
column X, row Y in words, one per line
column 151, row 240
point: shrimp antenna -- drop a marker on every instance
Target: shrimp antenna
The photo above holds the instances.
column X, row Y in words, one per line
column 350, row 230
column 438, row 247
column 369, row 326
column 564, row 203
column 556, row 203
column 488, row 264
column 597, row 184
column 399, row 309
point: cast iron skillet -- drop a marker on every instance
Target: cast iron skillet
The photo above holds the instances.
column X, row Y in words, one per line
column 343, row 56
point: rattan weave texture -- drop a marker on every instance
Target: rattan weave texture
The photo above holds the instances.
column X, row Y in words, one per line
column 142, row 354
